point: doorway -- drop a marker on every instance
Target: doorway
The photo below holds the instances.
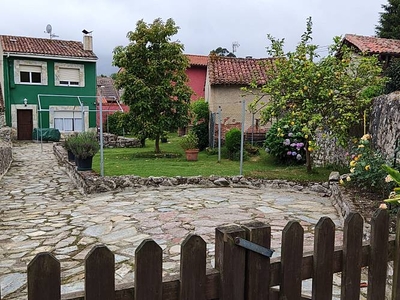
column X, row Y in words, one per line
column 24, row 124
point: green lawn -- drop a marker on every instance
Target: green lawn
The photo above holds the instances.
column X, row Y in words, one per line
column 133, row 161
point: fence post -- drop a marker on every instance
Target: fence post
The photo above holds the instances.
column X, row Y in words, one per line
column 324, row 246
column 257, row 266
column 378, row 255
column 291, row 261
column 396, row 264
column 148, row 271
column 193, row 268
column 230, row 261
column 100, row 274
column 352, row 254
column 44, row 281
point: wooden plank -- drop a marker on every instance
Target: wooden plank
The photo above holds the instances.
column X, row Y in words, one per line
column 396, row 264
column 99, row 274
column 193, row 268
column 44, row 281
column 148, row 271
column 291, row 261
column 377, row 269
column 352, row 245
column 257, row 265
column 230, row 261
column 324, row 246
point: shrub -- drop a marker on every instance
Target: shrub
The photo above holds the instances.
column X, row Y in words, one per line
column 189, row 141
column 116, row 123
column 200, row 123
column 232, row 142
column 85, row 145
column 286, row 142
column 366, row 170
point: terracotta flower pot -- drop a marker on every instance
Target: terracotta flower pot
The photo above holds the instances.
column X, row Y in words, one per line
column 192, row 154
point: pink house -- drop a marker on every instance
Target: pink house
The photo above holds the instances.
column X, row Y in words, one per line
column 197, row 73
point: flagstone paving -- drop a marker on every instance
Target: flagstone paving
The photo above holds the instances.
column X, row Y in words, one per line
column 41, row 210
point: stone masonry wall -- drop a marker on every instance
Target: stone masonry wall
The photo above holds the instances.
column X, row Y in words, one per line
column 115, row 141
column 328, row 151
column 385, row 123
column 5, row 150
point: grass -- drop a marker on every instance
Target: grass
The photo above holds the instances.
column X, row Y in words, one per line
column 142, row 162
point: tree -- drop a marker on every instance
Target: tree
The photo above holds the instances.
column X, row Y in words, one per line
column 154, row 79
column 389, row 22
column 329, row 94
column 222, row 52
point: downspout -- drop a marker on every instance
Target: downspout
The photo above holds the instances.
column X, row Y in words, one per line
column 8, row 90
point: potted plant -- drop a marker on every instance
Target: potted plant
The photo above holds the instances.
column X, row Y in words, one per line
column 189, row 143
column 68, row 145
column 84, row 147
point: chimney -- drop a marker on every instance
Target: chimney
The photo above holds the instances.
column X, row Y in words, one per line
column 87, row 42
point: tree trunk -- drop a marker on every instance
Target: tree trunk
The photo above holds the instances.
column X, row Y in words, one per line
column 308, row 158
column 157, row 144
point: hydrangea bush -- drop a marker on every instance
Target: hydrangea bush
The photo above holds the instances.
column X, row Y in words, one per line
column 286, row 141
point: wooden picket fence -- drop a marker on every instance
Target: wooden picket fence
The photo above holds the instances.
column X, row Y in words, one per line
column 239, row 273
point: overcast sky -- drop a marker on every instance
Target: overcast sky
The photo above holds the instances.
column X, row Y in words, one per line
column 204, row 25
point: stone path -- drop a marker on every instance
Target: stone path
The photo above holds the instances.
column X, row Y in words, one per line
column 42, row 211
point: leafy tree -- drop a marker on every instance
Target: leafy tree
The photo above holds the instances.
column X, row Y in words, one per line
column 154, row 79
column 393, row 74
column 222, row 52
column 329, row 94
column 389, row 22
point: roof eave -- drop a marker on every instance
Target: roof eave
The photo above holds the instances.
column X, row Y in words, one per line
column 47, row 56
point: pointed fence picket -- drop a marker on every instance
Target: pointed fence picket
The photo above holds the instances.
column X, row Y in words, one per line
column 240, row 274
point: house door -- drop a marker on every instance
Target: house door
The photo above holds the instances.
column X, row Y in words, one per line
column 24, row 124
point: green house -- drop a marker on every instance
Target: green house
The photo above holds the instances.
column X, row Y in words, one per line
column 48, row 83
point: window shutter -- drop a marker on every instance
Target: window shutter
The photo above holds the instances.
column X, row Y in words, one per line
column 32, row 69
column 66, row 74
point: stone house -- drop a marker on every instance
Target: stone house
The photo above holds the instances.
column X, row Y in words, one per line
column 225, row 78
column 48, row 83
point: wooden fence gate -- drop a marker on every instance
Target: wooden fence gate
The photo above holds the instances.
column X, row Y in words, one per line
column 239, row 273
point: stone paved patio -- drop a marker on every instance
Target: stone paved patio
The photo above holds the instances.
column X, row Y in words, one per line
column 42, row 211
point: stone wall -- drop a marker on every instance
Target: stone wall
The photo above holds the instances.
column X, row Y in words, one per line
column 385, row 123
column 328, row 151
column 115, row 141
column 5, row 150
column 90, row 182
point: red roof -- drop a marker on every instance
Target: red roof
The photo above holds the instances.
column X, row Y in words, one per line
column 45, row 47
column 237, row 71
column 197, row 60
column 373, row 45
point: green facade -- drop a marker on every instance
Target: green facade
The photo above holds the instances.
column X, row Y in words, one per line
column 16, row 93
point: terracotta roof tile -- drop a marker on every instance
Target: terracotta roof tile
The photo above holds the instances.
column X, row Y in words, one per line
column 373, row 45
column 45, row 47
column 237, row 71
column 197, row 60
column 108, row 91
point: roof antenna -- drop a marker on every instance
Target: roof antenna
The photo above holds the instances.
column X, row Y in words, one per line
column 235, row 45
column 49, row 30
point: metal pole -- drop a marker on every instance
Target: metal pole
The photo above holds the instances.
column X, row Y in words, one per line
column 101, row 133
column 219, row 133
column 252, row 129
column 242, row 136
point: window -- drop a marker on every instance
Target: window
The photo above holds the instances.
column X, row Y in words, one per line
column 30, row 72
column 68, row 121
column 69, row 75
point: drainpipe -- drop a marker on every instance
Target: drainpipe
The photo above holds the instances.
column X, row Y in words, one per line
column 8, row 89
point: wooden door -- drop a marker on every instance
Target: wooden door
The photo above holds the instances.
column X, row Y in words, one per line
column 24, row 124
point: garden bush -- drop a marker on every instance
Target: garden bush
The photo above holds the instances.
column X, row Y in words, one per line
column 115, row 123
column 366, row 170
column 286, row 142
column 232, row 143
column 200, row 123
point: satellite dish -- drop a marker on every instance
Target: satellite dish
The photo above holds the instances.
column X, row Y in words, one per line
column 49, row 28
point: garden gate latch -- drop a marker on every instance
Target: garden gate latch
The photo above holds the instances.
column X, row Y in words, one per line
column 253, row 247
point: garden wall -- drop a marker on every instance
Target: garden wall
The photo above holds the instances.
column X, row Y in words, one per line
column 385, row 123
column 5, row 150
column 328, row 151
column 115, row 141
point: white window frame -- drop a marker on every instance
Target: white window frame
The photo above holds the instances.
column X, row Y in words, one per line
column 68, row 121
column 30, row 66
column 69, row 112
column 71, row 82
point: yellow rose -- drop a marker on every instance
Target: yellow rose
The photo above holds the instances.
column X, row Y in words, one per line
column 352, row 170
column 341, row 181
column 367, row 167
column 348, row 178
column 353, row 163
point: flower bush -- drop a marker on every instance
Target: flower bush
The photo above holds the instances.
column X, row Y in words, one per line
column 393, row 177
column 366, row 167
column 286, row 141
